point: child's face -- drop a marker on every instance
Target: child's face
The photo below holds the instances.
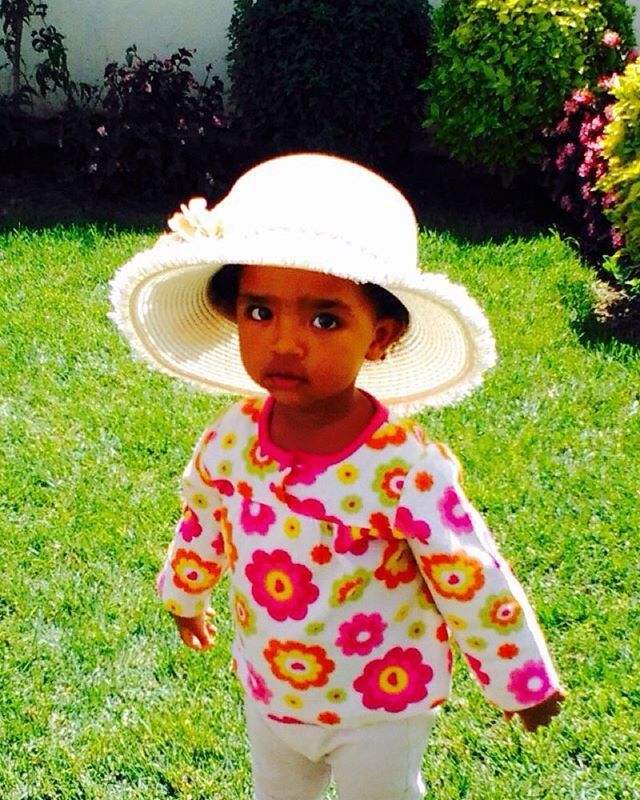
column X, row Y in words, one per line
column 304, row 335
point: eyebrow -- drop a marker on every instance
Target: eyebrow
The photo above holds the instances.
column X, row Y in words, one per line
column 308, row 301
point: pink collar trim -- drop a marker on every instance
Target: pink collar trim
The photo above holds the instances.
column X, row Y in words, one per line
column 312, row 464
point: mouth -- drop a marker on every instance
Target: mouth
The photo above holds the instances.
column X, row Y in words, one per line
column 284, row 380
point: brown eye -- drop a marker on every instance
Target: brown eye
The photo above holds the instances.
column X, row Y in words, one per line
column 258, row 313
column 325, row 322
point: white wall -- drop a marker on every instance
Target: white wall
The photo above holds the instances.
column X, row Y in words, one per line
column 99, row 31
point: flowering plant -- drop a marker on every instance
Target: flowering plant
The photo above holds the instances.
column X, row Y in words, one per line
column 576, row 164
column 161, row 129
column 502, row 69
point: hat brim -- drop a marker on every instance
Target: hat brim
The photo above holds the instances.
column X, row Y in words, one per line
column 160, row 303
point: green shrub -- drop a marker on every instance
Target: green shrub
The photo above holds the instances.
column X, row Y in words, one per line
column 328, row 74
column 502, row 69
column 621, row 149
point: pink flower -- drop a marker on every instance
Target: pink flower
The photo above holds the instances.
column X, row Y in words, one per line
column 566, row 204
column 604, row 81
column 563, row 126
column 611, row 39
column 633, row 55
column 347, row 539
column 414, row 528
column 281, row 586
column 586, row 191
column 394, row 681
column 256, row 517
column 452, row 512
column 583, row 97
column 609, row 200
column 360, row 634
column 101, row 130
column 584, row 169
column 189, row 525
column 617, row 239
column 258, row 687
column 530, row 683
column 476, row 666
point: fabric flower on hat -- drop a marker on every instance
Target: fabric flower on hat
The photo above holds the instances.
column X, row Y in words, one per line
column 195, row 219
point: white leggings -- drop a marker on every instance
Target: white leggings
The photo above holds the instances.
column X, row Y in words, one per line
column 381, row 761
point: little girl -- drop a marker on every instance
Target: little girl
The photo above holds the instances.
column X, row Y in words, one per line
column 352, row 552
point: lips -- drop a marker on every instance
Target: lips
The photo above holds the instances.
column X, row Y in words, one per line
column 284, row 380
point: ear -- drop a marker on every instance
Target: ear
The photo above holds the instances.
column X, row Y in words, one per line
column 387, row 331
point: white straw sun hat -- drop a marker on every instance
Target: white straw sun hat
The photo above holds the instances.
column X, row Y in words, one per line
column 308, row 211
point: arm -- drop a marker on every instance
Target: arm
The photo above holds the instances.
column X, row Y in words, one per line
column 196, row 557
column 475, row 591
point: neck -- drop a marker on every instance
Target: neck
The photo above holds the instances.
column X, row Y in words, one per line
column 324, row 427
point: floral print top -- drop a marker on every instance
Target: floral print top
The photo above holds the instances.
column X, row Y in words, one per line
column 349, row 573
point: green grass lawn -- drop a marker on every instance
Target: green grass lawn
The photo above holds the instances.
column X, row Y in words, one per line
column 98, row 699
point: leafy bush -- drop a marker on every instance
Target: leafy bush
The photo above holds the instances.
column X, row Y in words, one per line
column 161, row 130
column 328, row 74
column 502, row 69
column 621, row 148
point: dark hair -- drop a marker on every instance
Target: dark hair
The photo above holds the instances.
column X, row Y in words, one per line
column 223, row 287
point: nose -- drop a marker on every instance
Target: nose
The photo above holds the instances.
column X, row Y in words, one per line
column 287, row 337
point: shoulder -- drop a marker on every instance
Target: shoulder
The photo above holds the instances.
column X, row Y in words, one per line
column 238, row 422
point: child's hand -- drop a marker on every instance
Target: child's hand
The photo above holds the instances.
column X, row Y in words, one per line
column 196, row 632
column 535, row 717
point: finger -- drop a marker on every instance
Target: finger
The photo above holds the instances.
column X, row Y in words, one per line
column 190, row 639
column 209, row 612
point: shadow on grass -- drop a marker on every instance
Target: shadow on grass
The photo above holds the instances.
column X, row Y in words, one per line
column 605, row 319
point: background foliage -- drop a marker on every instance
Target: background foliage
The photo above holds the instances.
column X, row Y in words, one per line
column 621, row 148
column 159, row 129
column 502, row 69
column 331, row 75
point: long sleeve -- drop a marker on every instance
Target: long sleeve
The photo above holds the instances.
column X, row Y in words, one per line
column 473, row 588
column 196, row 558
